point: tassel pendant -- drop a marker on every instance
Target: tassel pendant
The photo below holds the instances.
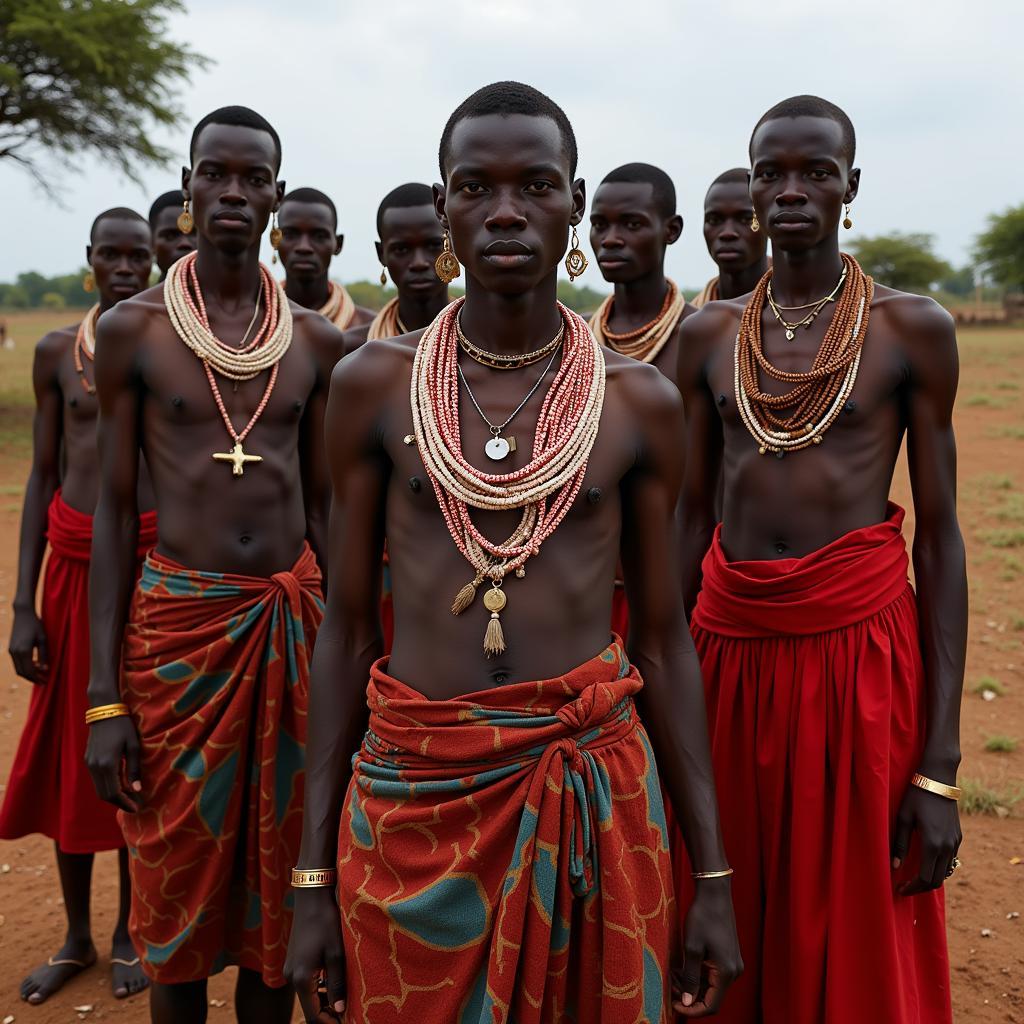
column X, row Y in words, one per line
column 464, row 598
column 494, row 638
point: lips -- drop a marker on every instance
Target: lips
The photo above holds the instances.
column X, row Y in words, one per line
column 791, row 219
column 231, row 218
column 508, row 247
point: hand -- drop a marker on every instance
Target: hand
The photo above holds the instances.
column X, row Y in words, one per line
column 712, row 951
column 112, row 757
column 316, row 949
column 937, row 820
column 28, row 647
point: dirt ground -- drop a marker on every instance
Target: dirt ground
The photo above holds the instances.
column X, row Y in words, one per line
column 986, row 936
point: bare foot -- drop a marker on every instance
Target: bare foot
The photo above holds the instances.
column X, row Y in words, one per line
column 128, row 979
column 50, row 977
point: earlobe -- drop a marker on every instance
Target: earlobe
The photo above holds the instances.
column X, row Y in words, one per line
column 340, row 240
column 440, row 196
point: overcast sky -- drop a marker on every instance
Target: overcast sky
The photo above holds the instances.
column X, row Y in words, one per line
column 360, row 92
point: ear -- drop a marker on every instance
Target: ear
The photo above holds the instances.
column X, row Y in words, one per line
column 380, row 252
column 673, row 228
column 579, row 201
column 279, row 190
column 339, row 241
column 852, row 186
column 440, row 196
column 186, row 179
column 88, row 254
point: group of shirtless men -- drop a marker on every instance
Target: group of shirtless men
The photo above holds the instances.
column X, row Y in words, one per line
column 659, row 728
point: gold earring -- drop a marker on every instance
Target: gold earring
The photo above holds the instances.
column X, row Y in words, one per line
column 186, row 222
column 275, row 236
column 847, row 223
column 446, row 266
column 89, row 283
column 383, row 277
column 755, row 224
column 575, row 260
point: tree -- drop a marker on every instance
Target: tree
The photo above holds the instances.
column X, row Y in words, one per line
column 999, row 250
column 960, row 282
column 88, row 76
column 903, row 261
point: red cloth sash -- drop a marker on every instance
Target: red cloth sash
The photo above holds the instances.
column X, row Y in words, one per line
column 503, row 855
column 49, row 790
column 216, row 674
column 816, row 704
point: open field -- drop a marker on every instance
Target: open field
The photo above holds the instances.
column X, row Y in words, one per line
column 988, row 970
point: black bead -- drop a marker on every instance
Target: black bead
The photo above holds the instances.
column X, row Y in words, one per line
column 780, row 454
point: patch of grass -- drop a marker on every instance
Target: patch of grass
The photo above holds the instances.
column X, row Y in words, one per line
column 982, row 402
column 997, row 481
column 1017, row 623
column 1014, row 433
column 1000, row 745
column 1007, row 385
column 1003, row 538
column 1012, row 568
column 990, row 684
column 977, row 798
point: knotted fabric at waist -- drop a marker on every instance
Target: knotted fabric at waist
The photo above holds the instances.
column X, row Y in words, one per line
column 70, row 531
column 847, row 581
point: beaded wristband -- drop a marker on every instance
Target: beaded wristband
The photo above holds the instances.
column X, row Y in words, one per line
column 314, row 879
column 103, row 711
column 938, row 788
column 724, row 873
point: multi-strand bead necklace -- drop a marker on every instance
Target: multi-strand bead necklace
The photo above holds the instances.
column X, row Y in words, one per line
column 339, row 307
column 544, row 489
column 645, row 342
column 187, row 313
column 387, row 323
column 799, row 417
column 85, row 346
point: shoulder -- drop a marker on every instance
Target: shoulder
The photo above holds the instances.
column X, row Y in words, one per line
column 355, row 337
column 56, row 343
column 371, row 368
column 714, row 320
column 923, row 328
column 320, row 336
column 128, row 319
column 362, row 316
column 642, row 387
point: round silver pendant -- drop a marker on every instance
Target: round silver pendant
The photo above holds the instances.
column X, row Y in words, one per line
column 497, row 449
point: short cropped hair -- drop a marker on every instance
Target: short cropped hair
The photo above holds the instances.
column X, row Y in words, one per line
column 241, row 117
column 312, row 195
column 115, row 213
column 411, row 194
column 648, row 174
column 734, row 176
column 813, row 106
column 168, row 199
column 509, row 98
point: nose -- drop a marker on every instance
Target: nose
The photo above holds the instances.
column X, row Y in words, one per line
column 792, row 193
column 421, row 259
column 232, row 194
column 304, row 245
column 730, row 231
column 610, row 240
column 505, row 214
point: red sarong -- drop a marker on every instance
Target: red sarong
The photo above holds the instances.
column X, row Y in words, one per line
column 503, row 856
column 216, row 674
column 816, row 706
column 49, row 789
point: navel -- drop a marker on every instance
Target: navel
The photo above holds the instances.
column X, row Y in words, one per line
column 781, row 547
column 246, row 538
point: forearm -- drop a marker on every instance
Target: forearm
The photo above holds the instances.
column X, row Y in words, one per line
column 695, row 534
column 941, row 576
column 316, row 535
column 39, row 491
column 112, row 570
column 673, row 711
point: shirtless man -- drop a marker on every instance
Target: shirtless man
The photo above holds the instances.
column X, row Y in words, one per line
column 170, row 243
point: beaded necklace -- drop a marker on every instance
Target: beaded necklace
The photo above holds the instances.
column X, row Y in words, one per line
column 644, row 342
column 544, row 488
column 339, row 308
column 818, row 395
column 387, row 323
column 187, row 312
column 85, row 345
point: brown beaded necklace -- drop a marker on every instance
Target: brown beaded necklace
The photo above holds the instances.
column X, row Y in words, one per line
column 85, row 344
column 800, row 417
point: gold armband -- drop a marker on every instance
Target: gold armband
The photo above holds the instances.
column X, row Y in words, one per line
column 724, row 873
column 316, row 879
column 98, row 714
column 938, row 788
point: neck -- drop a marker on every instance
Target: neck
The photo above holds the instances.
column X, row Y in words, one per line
column 733, row 283
column 640, row 301
column 806, row 275
column 511, row 324
column 227, row 278
column 106, row 304
column 416, row 313
column 311, row 292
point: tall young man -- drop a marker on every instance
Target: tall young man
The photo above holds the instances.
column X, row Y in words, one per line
column 308, row 222
column 833, row 694
column 49, row 790
column 198, row 691
column 737, row 248
column 170, row 243
column 502, row 848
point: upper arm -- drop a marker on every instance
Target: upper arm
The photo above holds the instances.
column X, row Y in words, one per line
column 933, row 370
column 117, row 389
column 47, row 423
column 327, row 347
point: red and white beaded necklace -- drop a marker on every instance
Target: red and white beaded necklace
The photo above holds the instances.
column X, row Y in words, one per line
column 85, row 346
column 544, row 488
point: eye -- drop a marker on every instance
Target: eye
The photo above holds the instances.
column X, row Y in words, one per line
column 634, row 225
column 820, row 173
column 472, row 187
column 539, row 187
column 258, row 180
column 211, row 174
column 767, row 174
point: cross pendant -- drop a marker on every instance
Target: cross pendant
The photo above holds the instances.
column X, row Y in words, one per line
column 237, row 458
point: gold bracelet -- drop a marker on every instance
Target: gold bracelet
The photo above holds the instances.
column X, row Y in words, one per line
column 315, row 879
column 938, row 788
column 712, row 874
column 98, row 714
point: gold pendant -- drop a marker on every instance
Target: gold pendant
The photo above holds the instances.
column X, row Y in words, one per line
column 237, row 458
column 494, row 602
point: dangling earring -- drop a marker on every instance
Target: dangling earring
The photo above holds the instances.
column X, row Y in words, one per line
column 89, row 283
column 575, row 260
column 446, row 266
column 275, row 236
column 383, row 277
column 185, row 220
column 755, row 224
column 847, row 223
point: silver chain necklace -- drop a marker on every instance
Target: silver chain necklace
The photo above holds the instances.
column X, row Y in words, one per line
column 499, row 447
